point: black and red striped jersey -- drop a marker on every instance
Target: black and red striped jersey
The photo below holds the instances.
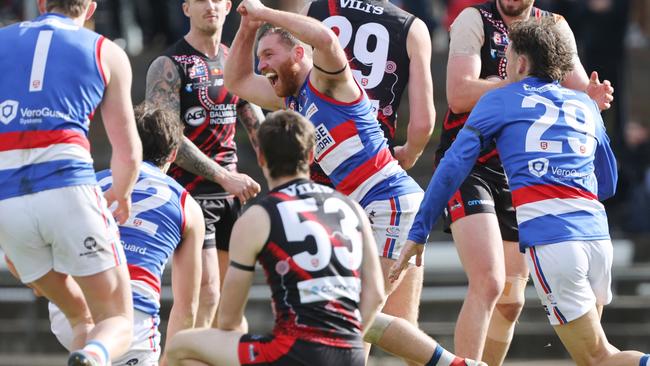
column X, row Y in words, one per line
column 207, row 109
column 373, row 34
column 493, row 65
column 312, row 261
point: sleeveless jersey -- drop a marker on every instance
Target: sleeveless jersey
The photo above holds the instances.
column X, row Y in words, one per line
column 373, row 34
column 152, row 232
column 208, row 111
column 351, row 148
column 312, row 261
column 555, row 152
column 493, row 64
column 46, row 105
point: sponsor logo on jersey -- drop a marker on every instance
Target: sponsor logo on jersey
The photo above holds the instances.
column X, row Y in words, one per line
column 500, row 39
column 134, row 248
column 323, row 140
column 538, row 167
column 362, row 6
column 195, row 116
column 329, row 288
column 8, row 111
column 311, row 110
column 197, row 71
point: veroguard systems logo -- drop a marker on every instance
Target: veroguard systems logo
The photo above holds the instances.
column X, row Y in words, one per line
column 8, row 111
column 538, row 167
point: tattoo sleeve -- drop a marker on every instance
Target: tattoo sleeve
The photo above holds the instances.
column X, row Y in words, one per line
column 163, row 91
column 250, row 116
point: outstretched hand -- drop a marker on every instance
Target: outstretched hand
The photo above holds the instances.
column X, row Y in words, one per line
column 601, row 93
column 409, row 250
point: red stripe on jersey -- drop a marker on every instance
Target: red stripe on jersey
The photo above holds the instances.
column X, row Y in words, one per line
column 449, row 121
column 340, row 133
column 456, row 207
column 333, row 8
column 530, row 194
column 275, row 250
column 138, row 273
column 364, row 171
column 488, row 156
column 183, row 219
column 98, row 55
column 36, row 139
column 198, row 130
column 334, row 101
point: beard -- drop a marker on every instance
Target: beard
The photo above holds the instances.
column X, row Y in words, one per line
column 288, row 80
column 515, row 10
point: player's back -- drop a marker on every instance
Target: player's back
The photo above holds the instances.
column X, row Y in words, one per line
column 51, row 83
column 548, row 144
column 373, row 34
column 152, row 232
column 312, row 260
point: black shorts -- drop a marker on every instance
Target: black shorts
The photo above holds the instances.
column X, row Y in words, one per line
column 220, row 213
column 484, row 191
column 281, row 350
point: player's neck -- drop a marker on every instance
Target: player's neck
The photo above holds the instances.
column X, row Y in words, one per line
column 277, row 182
column 508, row 20
column 207, row 44
column 80, row 20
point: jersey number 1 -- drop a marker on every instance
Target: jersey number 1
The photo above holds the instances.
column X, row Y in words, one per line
column 40, row 59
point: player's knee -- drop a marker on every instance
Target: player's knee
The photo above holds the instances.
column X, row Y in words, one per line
column 488, row 288
column 512, row 299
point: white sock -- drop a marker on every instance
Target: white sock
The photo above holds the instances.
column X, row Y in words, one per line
column 98, row 349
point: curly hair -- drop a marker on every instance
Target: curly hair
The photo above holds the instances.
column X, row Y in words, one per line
column 545, row 46
column 160, row 131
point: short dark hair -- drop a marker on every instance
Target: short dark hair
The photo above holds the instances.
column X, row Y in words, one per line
column 286, row 140
column 548, row 51
column 160, row 131
column 73, row 8
column 286, row 37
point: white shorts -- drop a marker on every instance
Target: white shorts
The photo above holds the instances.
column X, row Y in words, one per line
column 67, row 229
column 144, row 351
column 571, row 277
column 391, row 221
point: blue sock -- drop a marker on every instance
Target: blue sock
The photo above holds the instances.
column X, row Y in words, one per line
column 442, row 357
column 645, row 360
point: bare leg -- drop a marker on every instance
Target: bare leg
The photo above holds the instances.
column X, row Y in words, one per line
column 478, row 241
column 224, row 262
column 585, row 340
column 109, row 298
column 209, row 295
column 204, row 347
column 403, row 299
column 63, row 291
column 508, row 307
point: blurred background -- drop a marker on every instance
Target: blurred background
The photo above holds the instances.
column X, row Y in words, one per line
column 613, row 38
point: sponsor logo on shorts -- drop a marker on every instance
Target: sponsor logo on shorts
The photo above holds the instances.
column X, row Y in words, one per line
column 8, row 111
column 480, row 202
column 252, row 355
column 91, row 246
column 132, row 362
column 329, row 288
column 392, row 232
column 538, row 167
column 456, row 205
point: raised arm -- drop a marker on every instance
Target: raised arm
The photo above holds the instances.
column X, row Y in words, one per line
column 239, row 75
column 331, row 73
column 247, row 244
column 163, row 91
column 119, row 122
column 464, row 85
column 186, row 271
column 422, row 113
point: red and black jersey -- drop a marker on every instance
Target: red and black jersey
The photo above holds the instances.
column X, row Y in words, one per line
column 373, row 34
column 207, row 109
column 312, row 261
column 493, row 64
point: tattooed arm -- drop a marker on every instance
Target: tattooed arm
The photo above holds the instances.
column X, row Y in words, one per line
column 251, row 116
column 163, row 91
